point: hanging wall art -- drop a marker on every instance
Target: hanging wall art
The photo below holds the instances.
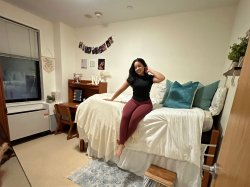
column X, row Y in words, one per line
column 48, row 64
column 96, row 50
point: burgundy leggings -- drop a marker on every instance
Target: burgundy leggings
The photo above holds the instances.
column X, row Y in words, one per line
column 132, row 114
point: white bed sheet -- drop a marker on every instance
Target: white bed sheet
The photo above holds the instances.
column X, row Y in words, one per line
column 153, row 141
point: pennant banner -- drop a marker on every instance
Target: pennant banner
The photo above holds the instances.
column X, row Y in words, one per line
column 96, row 50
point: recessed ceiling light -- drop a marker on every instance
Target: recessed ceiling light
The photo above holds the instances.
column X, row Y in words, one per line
column 98, row 14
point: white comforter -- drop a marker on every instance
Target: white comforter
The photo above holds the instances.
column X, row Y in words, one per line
column 167, row 132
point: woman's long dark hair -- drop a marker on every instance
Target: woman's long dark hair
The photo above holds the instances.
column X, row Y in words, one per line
column 132, row 74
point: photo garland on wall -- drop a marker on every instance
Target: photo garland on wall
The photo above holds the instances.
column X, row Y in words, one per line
column 96, row 50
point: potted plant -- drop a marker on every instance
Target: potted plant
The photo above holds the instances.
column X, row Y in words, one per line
column 238, row 50
column 50, row 98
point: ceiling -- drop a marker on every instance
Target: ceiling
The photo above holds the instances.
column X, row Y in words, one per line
column 81, row 13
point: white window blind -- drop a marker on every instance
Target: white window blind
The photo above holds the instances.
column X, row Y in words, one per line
column 4, row 44
column 19, row 40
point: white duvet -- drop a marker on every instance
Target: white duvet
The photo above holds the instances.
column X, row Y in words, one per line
column 167, row 132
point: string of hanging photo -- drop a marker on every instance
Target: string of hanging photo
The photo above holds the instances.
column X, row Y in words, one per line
column 96, row 50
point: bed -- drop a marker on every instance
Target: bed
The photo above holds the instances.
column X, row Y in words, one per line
column 154, row 141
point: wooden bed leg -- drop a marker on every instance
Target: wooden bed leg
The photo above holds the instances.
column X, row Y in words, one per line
column 82, row 145
column 210, row 160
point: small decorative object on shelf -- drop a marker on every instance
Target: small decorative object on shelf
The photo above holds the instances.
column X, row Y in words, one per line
column 236, row 55
column 234, row 71
column 77, row 77
column 50, row 98
column 104, row 75
column 95, row 79
column 238, row 50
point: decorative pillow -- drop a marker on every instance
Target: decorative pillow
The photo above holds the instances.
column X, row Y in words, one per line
column 218, row 101
column 181, row 96
column 158, row 91
column 168, row 85
column 204, row 96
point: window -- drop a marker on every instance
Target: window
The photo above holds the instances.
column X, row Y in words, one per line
column 20, row 61
column 21, row 79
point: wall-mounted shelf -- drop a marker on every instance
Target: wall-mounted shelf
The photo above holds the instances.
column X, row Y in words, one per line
column 234, row 71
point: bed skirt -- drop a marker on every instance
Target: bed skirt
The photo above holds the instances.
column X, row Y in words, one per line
column 137, row 162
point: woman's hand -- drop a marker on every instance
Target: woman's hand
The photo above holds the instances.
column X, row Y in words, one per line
column 148, row 70
column 158, row 77
column 124, row 86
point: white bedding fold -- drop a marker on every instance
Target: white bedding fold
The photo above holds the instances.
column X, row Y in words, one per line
column 172, row 133
column 98, row 122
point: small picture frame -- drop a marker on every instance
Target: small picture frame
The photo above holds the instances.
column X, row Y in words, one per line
column 84, row 63
column 77, row 97
column 101, row 64
column 92, row 63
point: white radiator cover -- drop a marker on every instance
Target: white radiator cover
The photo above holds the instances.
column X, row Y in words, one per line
column 28, row 123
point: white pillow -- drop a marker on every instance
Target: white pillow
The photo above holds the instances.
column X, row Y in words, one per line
column 218, row 101
column 158, row 90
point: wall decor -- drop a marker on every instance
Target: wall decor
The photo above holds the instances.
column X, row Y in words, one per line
column 77, row 77
column 84, row 63
column 92, row 63
column 48, row 64
column 77, row 96
column 96, row 50
column 101, row 64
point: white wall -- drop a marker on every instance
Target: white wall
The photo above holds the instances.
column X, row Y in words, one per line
column 46, row 35
column 240, row 26
column 58, row 66
column 68, row 54
column 185, row 46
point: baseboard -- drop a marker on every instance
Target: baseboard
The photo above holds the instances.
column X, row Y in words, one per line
column 29, row 138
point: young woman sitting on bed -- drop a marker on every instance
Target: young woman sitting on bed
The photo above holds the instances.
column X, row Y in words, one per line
column 140, row 78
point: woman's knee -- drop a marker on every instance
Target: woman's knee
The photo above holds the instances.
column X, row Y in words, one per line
column 126, row 116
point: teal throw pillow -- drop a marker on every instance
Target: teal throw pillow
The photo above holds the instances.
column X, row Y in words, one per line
column 168, row 86
column 181, row 96
column 204, row 95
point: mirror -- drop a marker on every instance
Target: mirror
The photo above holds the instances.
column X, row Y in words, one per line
column 11, row 171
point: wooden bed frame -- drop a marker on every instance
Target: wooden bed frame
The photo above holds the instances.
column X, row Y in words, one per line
column 214, row 137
